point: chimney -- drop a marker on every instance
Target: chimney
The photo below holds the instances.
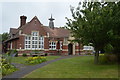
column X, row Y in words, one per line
column 23, row 20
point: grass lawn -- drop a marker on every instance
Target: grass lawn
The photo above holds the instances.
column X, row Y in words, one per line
column 21, row 60
column 77, row 67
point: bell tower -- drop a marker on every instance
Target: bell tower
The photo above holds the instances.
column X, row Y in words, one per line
column 51, row 23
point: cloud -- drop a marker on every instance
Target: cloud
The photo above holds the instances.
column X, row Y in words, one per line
column 11, row 12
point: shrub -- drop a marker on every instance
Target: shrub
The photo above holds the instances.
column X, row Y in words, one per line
column 15, row 51
column 6, row 67
column 108, row 59
column 24, row 54
column 35, row 60
column 88, row 54
column 12, row 53
column 46, row 54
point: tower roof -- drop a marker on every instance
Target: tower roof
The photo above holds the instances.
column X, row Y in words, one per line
column 51, row 19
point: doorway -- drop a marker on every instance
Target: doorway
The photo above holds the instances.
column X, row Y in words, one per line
column 70, row 49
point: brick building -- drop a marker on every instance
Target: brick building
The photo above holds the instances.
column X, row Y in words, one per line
column 33, row 35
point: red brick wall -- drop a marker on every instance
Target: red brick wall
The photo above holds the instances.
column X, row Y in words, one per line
column 65, row 46
column 21, row 42
column 34, row 25
column 46, row 43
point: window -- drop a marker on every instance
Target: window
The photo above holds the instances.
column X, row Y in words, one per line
column 35, row 33
column 34, row 41
column 61, row 45
column 65, row 40
column 27, row 38
column 41, row 42
column 52, row 45
column 27, row 42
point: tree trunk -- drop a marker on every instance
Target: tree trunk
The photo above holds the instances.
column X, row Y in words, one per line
column 79, row 48
column 96, row 57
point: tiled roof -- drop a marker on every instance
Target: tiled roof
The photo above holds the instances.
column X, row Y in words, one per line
column 56, row 32
column 13, row 30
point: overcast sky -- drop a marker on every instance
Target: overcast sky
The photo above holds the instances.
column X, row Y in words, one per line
column 11, row 12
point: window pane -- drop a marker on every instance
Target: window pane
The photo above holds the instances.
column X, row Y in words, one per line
column 39, row 42
column 35, row 42
column 29, row 42
column 25, row 42
column 28, row 46
column 32, row 46
column 29, row 38
column 35, row 46
column 35, row 38
column 32, row 42
column 32, row 38
column 26, row 37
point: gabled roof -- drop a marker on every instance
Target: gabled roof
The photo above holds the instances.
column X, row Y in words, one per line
column 56, row 32
column 13, row 30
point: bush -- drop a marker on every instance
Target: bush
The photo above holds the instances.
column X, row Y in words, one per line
column 12, row 52
column 6, row 67
column 15, row 51
column 24, row 54
column 35, row 60
column 88, row 54
column 108, row 59
column 46, row 54
column 16, row 55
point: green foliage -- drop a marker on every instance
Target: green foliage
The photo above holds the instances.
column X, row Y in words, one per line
column 97, row 23
column 16, row 53
column 35, row 60
column 108, row 59
column 9, row 55
column 108, row 48
column 24, row 54
column 4, row 36
column 21, row 60
column 88, row 53
column 35, row 51
column 46, row 54
column 6, row 67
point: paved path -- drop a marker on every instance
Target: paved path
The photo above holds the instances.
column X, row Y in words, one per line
column 23, row 70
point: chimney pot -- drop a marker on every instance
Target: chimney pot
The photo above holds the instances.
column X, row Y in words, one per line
column 23, row 20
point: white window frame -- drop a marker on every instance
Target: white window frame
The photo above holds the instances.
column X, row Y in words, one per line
column 52, row 45
column 34, row 41
column 27, row 40
column 41, row 42
column 34, row 38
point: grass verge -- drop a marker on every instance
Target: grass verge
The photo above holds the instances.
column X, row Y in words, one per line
column 77, row 67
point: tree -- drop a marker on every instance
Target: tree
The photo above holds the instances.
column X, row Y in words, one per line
column 5, row 36
column 93, row 23
column 115, row 32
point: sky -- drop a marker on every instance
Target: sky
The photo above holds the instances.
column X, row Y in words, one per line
column 10, row 12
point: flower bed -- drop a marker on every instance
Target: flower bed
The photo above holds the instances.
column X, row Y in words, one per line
column 35, row 60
